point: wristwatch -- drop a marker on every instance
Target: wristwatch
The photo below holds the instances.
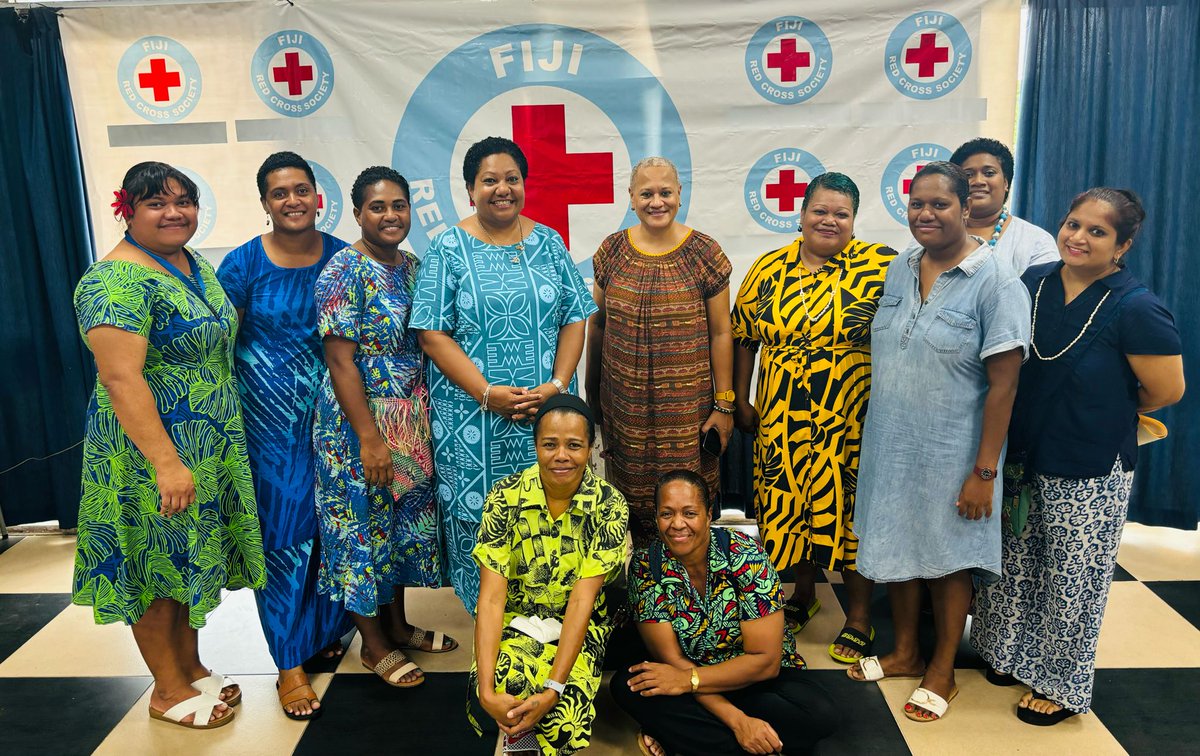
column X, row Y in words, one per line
column 695, row 680
column 562, row 387
column 555, row 686
column 986, row 473
column 725, row 396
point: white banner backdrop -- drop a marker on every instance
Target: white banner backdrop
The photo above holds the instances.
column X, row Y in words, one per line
column 749, row 99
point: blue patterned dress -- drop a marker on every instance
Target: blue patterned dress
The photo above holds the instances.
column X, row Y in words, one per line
column 506, row 317
column 279, row 365
column 127, row 553
column 374, row 538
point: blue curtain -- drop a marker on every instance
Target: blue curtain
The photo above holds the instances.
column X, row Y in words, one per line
column 1111, row 96
column 45, row 245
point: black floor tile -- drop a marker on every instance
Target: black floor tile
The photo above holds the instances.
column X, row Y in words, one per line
column 1120, row 573
column 1183, row 596
column 8, row 543
column 868, row 726
column 65, row 715
column 23, row 614
column 431, row 718
column 1150, row 711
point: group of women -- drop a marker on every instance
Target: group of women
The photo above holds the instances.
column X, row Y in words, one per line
column 331, row 423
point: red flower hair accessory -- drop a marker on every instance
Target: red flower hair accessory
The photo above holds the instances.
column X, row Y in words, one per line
column 123, row 207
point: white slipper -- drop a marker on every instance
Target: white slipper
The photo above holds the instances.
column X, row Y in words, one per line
column 215, row 683
column 870, row 667
column 201, row 707
column 929, row 702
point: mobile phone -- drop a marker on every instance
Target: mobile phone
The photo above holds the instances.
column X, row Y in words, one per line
column 521, row 743
column 710, row 441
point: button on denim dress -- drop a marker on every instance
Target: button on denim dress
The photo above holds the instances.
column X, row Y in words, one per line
column 925, row 417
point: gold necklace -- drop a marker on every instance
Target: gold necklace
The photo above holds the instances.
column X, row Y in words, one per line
column 1033, row 326
column 520, row 243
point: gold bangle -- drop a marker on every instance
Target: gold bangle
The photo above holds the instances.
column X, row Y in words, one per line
column 695, row 680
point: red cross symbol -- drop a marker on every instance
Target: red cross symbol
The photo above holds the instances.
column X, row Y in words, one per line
column 320, row 202
column 927, row 55
column 293, row 73
column 787, row 190
column 907, row 184
column 159, row 80
column 560, row 179
column 788, row 59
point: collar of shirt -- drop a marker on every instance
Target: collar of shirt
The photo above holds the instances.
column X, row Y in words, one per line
column 583, row 499
column 969, row 265
column 1117, row 282
column 792, row 258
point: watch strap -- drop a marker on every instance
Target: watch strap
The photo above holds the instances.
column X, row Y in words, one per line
column 556, row 686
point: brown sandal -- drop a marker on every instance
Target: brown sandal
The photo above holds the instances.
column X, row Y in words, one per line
column 302, row 692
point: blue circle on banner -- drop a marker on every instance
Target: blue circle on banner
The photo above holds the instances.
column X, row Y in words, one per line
column 776, row 206
column 803, row 60
column 207, row 217
column 500, row 61
column 329, row 197
column 159, row 79
column 893, row 188
column 292, row 73
column 918, row 64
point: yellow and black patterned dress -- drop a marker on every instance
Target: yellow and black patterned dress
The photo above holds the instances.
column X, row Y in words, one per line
column 813, row 380
column 542, row 559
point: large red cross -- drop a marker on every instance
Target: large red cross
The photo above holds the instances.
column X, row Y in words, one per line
column 927, row 55
column 293, row 73
column 159, row 80
column 907, row 184
column 558, row 179
column 787, row 190
column 788, row 59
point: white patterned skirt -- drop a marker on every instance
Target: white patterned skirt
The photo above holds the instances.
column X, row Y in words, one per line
column 1041, row 621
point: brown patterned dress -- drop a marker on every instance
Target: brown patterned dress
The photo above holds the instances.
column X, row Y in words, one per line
column 656, row 387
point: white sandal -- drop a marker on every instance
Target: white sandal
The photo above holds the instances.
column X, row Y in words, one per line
column 201, row 707
column 929, row 702
column 870, row 667
column 215, row 683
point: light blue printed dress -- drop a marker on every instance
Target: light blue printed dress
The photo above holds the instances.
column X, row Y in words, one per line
column 928, row 386
column 280, row 366
column 506, row 316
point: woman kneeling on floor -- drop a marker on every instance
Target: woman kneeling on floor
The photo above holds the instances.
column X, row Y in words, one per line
column 551, row 537
column 709, row 607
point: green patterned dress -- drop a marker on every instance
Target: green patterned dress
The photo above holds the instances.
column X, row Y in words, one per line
column 542, row 559
column 128, row 554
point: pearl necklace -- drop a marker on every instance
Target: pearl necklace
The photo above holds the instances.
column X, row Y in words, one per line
column 520, row 243
column 1033, row 328
column 804, row 299
column 999, row 228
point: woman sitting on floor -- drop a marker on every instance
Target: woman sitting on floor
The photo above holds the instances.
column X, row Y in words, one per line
column 551, row 537
column 709, row 607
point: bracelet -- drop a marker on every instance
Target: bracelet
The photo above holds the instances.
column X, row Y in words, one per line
column 556, row 686
column 695, row 680
column 562, row 388
column 483, row 403
column 722, row 410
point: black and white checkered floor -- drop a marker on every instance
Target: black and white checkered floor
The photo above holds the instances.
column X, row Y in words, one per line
column 68, row 686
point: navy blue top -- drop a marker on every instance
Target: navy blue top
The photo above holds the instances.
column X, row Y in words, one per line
column 1088, row 418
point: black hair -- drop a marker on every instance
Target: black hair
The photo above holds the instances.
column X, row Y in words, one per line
column 991, row 147
column 372, row 176
column 278, row 161
column 695, row 480
column 959, row 183
column 147, row 179
column 1127, row 215
column 566, row 403
column 492, row 145
column 833, row 181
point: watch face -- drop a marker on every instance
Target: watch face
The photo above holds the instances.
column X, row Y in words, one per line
column 986, row 473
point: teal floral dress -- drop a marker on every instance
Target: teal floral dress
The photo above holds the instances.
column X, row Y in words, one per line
column 128, row 554
column 742, row 586
column 543, row 558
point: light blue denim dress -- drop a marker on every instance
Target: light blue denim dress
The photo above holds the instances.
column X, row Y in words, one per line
column 925, row 417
